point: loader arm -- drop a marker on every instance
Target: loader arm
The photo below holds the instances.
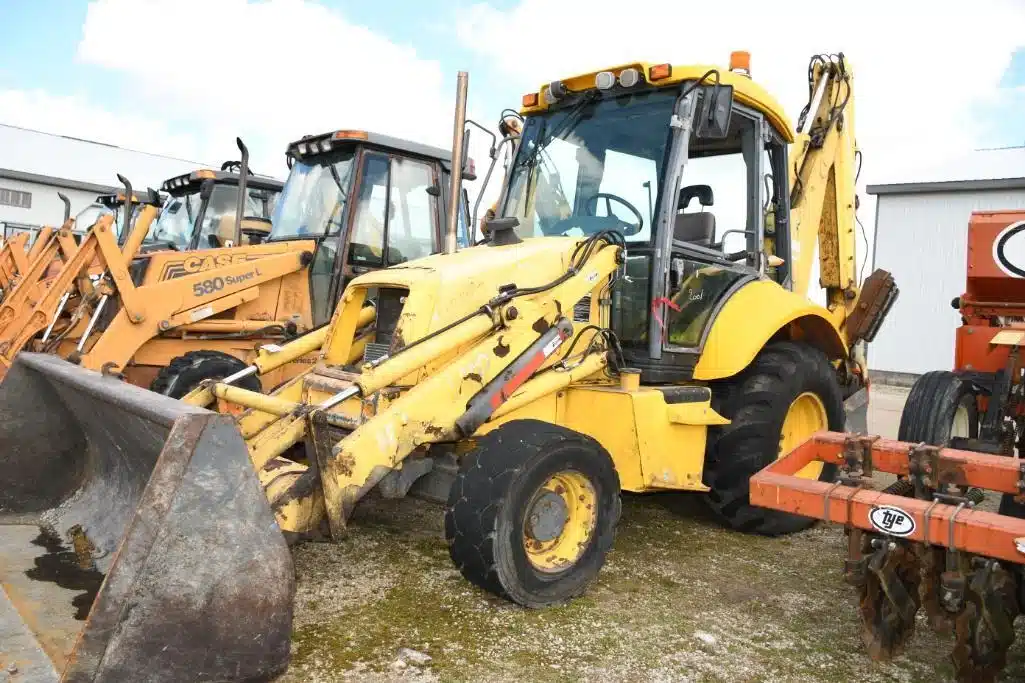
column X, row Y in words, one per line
column 31, row 287
column 41, row 239
column 466, row 372
column 151, row 310
column 822, row 186
column 11, row 265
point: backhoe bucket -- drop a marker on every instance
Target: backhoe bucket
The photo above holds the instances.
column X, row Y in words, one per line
column 135, row 541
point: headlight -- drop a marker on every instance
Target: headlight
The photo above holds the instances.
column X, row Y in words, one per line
column 628, row 78
column 604, row 80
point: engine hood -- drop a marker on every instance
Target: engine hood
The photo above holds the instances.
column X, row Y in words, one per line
column 445, row 287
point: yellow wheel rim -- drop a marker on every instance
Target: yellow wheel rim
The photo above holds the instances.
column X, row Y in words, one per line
column 805, row 416
column 559, row 521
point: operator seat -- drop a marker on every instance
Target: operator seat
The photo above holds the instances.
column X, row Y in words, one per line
column 695, row 228
column 226, row 229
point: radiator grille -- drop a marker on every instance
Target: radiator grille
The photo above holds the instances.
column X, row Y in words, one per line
column 582, row 310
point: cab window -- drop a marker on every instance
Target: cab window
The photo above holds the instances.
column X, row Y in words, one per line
column 395, row 208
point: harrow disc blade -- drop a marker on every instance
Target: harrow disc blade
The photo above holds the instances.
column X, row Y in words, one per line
column 888, row 601
column 984, row 630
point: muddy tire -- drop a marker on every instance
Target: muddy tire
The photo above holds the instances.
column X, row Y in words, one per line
column 184, row 373
column 533, row 512
column 939, row 406
column 759, row 402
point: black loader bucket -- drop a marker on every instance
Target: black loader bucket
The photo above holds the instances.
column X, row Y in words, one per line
column 135, row 541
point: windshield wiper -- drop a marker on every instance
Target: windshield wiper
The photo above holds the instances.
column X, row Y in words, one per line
column 571, row 113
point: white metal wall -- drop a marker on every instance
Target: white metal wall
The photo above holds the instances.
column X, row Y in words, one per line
column 47, row 208
column 921, row 239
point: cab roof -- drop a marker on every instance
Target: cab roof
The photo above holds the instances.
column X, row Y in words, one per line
column 190, row 182
column 745, row 90
column 311, row 145
column 114, row 199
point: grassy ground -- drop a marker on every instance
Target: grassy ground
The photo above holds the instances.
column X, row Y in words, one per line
column 680, row 599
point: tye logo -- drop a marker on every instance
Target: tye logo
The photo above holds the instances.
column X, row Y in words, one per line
column 892, row 520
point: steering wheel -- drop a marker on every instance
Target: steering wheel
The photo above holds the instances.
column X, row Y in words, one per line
column 628, row 228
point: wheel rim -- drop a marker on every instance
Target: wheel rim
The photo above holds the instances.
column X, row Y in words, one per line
column 961, row 424
column 559, row 521
column 806, row 415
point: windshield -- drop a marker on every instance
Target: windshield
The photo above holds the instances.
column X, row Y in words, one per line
column 88, row 216
column 219, row 217
column 174, row 225
column 313, row 200
column 119, row 227
column 592, row 166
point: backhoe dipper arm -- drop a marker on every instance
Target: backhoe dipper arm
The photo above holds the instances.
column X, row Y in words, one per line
column 822, row 179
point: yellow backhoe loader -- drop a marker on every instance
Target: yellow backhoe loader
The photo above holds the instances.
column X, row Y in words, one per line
column 525, row 381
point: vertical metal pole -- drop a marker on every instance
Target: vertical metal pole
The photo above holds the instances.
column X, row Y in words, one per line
column 457, row 163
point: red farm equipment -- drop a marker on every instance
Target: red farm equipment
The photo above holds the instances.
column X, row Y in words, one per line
column 925, row 540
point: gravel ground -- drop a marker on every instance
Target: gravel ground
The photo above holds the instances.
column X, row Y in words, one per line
column 679, row 599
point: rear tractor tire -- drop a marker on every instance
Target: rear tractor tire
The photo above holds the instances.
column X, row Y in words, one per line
column 533, row 512
column 184, row 373
column 789, row 392
column 939, row 406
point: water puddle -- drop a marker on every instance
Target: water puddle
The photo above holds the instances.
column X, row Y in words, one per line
column 70, row 566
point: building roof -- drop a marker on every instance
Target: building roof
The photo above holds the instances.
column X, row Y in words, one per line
column 34, row 156
column 983, row 169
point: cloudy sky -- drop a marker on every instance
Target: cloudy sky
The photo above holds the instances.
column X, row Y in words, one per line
column 184, row 77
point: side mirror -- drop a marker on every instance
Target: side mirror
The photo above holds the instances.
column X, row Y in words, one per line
column 206, row 189
column 502, row 231
column 713, row 119
column 469, row 172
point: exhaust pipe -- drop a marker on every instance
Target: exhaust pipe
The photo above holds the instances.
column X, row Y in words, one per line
column 127, row 209
column 67, row 207
column 458, row 133
column 243, row 171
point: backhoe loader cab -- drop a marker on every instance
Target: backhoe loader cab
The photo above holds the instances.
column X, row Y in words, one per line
column 370, row 200
column 200, row 211
column 112, row 204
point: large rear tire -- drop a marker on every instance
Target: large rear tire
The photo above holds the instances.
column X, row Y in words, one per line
column 788, row 393
column 184, row 373
column 533, row 512
column 939, row 406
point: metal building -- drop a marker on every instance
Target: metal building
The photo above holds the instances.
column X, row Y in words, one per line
column 920, row 236
column 35, row 166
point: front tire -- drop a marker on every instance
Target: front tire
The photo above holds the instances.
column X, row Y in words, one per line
column 184, row 373
column 788, row 393
column 939, row 406
column 533, row 512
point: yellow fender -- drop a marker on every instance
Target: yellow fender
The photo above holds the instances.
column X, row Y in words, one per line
column 753, row 316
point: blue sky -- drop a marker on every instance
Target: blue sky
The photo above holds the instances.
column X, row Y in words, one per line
column 146, row 75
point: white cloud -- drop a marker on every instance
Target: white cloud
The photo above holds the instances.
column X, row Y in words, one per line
column 920, row 66
column 270, row 71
